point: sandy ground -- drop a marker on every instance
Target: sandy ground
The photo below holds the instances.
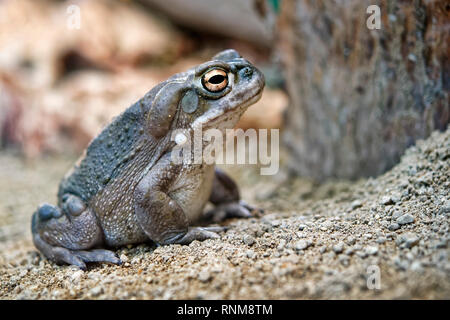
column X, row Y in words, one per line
column 377, row 238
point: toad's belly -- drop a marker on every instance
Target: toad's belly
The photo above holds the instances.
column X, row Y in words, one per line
column 192, row 188
column 115, row 205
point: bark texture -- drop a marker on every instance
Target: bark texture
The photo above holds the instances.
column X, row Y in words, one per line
column 360, row 97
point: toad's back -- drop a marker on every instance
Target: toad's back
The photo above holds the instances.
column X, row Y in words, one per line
column 113, row 150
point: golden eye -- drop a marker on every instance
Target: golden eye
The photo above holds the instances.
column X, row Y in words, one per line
column 215, row 80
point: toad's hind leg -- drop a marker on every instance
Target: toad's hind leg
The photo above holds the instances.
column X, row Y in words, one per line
column 66, row 235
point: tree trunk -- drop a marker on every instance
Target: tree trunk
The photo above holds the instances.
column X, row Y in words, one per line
column 360, row 97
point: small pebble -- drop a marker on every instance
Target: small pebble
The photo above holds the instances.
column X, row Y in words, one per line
column 396, row 214
column 96, row 291
column 405, row 219
column 356, row 204
column 339, row 247
column 394, row 226
column 381, row 240
column 344, row 259
column 301, row 245
column 348, row 251
column 372, row 250
column 204, row 276
column 76, row 276
column 416, row 266
column 123, row 258
column 367, row 236
column 248, row 240
column 445, row 207
column 408, row 239
column 386, row 200
column 361, row 254
column 281, row 245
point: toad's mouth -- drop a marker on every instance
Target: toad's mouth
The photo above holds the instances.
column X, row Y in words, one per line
column 221, row 117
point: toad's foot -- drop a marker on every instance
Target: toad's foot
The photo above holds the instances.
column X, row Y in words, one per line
column 68, row 235
column 238, row 209
column 77, row 258
column 196, row 233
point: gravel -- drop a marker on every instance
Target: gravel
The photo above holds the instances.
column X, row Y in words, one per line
column 312, row 242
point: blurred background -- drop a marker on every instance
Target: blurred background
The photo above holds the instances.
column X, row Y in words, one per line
column 61, row 82
column 350, row 98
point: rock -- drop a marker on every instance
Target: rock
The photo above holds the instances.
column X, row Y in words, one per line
column 136, row 260
column 344, row 259
column 250, row 254
column 402, row 264
column 124, row 258
column 445, row 207
column 409, row 240
column 96, row 291
column 397, row 214
column 361, row 254
column 302, row 227
column 386, row 200
column 204, row 276
column 396, row 198
column 381, row 240
column 248, row 240
column 349, row 251
column 76, row 276
column 367, row 236
column 281, row 245
column 416, row 266
column 371, row 250
column 338, row 248
column 394, row 226
column 405, row 219
column 356, row 204
column 351, row 241
column 301, row 245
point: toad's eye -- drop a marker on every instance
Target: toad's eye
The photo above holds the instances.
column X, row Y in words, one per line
column 215, row 80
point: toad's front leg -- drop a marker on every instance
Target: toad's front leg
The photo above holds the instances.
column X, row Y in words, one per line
column 160, row 216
